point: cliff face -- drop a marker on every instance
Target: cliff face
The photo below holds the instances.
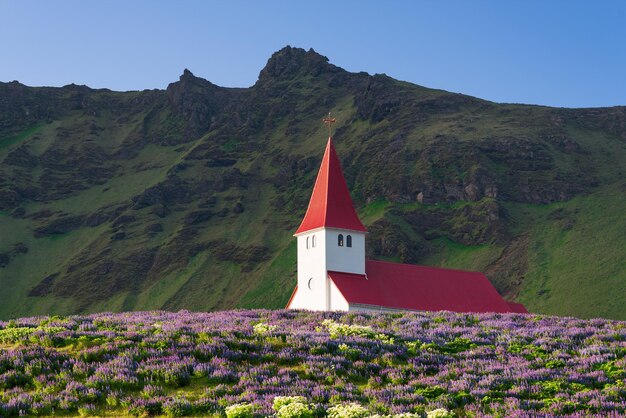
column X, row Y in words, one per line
column 187, row 198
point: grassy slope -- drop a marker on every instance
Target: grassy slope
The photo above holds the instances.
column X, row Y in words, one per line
column 579, row 271
column 575, row 270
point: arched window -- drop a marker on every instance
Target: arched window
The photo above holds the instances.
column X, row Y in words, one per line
column 307, row 243
column 349, row 241
column 313, row 239
column 340, row 240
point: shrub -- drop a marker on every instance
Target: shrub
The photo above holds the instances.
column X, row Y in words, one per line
column 336, row 329
column 87, row 410
column 145, row 407
column 439, row 413
column 280, row 401
column 12, row 335
column 294, row 410
column 350, row 410
column 240, row 410
column 150, row 391
column 431, row 392
column 263, row 329
column 176, row 408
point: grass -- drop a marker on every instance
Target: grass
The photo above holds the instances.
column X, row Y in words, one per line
column 576, row 264
column 578, row 270
column 122, row 188
column 458, row 256
column 274, row 287
column 45, row 256
column 374, row 211
column 157, row 295
column 6, row 143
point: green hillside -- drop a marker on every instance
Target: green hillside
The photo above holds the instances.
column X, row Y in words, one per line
column 188, row 197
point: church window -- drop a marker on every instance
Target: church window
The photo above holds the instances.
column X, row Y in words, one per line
column 313, row 241
column 307, row 243
column 349, row 241
column 340, row 240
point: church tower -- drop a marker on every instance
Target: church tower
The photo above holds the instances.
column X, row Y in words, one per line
column 330, row 238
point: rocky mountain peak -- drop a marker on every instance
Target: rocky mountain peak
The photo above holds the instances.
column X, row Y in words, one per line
column 187, row 78
column 290, row 61
column 186, row 74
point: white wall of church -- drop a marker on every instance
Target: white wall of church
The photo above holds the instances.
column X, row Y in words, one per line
column 346, row 259
column 313, row 284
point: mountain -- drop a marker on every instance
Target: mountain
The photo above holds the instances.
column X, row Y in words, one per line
column 188, row 197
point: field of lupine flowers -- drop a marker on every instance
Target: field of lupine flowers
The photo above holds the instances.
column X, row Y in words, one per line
column 301, row 364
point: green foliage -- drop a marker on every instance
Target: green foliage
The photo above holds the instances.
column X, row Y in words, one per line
column 240, row 410
column 41, row 334
column 431, row 392
column 8, row 142
column 348, row 410
column 336, row 329
column 455, row 346
column 440, row 413
column 13, row 335
column 280, row 401
column 292, row 407
column 549, row 388
column 612, row 370
column 555, row 364
column 529, row 351
column 263, row 329
column 180, row 408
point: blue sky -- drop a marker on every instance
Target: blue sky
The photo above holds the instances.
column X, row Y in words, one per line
column 559, row 53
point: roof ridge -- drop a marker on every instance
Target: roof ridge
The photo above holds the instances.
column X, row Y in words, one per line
column 328, row 146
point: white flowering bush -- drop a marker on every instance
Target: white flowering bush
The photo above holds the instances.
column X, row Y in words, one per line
column 240, row 410
column 263, row 329
column 295, row 410
column 336, row 329
column 292, row 407
column 440, row 413
column 350, row 410
column 280, row 401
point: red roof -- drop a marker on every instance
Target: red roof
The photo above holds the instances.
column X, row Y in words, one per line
column 404, row 286
column 330, row 205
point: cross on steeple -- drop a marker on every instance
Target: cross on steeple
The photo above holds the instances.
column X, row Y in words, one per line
column 329, row 121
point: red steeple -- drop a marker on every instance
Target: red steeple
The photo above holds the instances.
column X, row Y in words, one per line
column 330, row 205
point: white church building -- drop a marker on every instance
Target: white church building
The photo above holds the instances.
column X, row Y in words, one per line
column 334, row 275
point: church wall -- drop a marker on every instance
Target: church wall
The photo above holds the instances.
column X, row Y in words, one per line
column 346, row 259
column 312, row 294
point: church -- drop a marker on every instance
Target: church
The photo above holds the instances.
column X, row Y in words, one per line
column 334, row 275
